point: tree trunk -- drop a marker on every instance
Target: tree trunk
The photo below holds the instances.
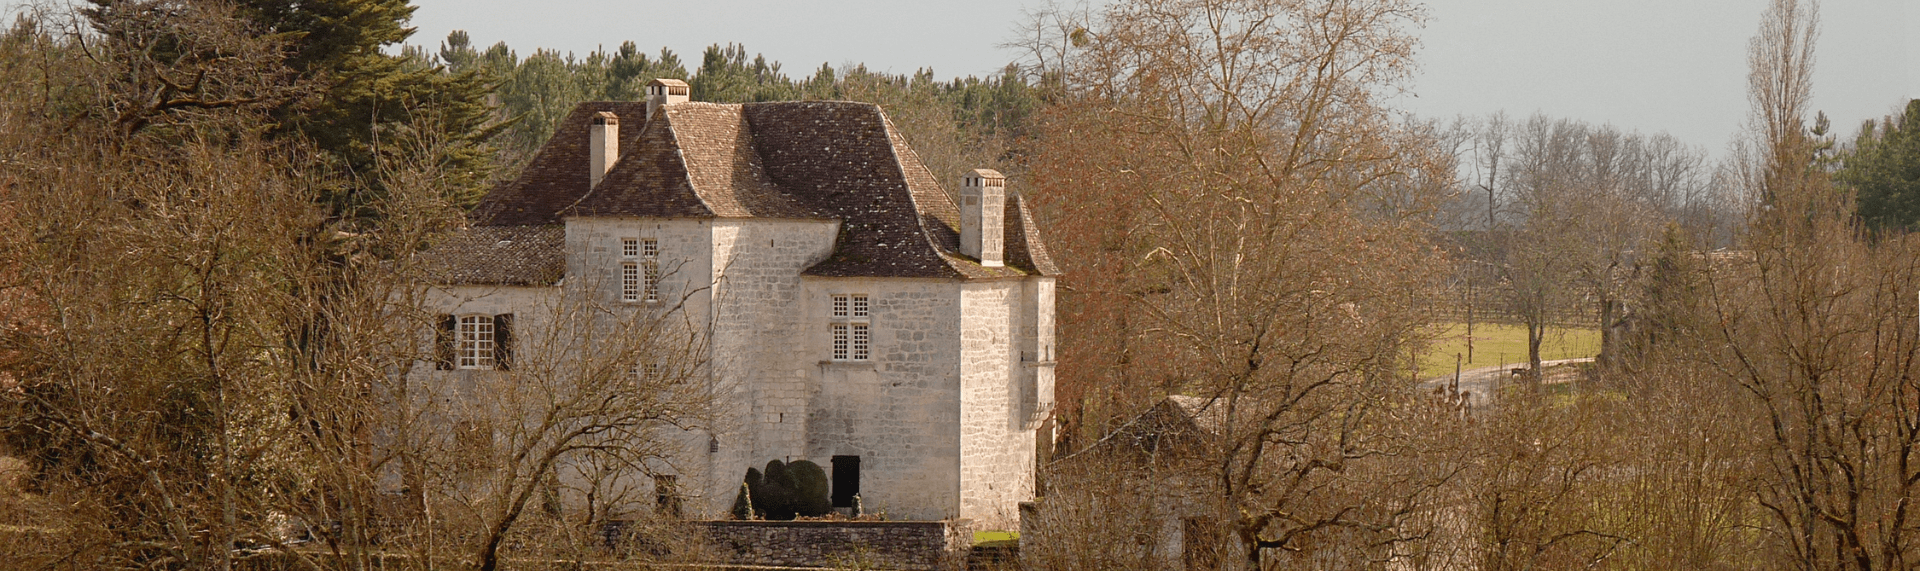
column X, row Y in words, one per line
column 1536, row 332
column 1609, row 333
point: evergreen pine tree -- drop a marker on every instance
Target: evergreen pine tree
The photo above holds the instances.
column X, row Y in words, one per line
column 376, row 106
column 1883, row 170
column 743, row 504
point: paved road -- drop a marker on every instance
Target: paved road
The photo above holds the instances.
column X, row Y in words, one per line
column 1480, row 383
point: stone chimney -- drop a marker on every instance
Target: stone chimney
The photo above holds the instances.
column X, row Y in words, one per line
column 665, row 92
column 603, row 145
column 983, row 206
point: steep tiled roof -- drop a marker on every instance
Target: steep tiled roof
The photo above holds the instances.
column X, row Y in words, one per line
column 796, row 160
column 1207, row 414
column 1173, row 426
column 1025, row 250
column 842, row 159
column 557, row 175
column 699, row 162
column 498, row 255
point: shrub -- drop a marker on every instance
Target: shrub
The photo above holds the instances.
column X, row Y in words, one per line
column 784, row 491
column 775, row 498
column 743, row 504
column 810, row 489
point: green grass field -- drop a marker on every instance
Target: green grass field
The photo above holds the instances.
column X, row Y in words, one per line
column 1496, row 344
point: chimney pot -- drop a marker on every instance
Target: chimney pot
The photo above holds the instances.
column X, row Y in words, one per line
column 662, row 92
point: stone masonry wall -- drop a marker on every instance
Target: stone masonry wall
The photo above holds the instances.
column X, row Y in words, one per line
column 685, row 263
column 1036, row 350
column 759, row 317
column 850, row 544
column 453, row 398
column 686, row 257
column 898, row 411
column 532, row 309
column 741, row 279
column 996, row 450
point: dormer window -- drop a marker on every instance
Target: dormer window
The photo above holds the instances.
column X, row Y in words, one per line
column 851, row 327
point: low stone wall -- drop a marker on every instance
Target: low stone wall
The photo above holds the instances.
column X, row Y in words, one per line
column 916, row 545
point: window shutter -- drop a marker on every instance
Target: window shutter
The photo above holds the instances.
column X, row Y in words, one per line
column 443, row 340
column 503, row 342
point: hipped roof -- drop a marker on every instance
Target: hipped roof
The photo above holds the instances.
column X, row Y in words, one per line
column 825, row 160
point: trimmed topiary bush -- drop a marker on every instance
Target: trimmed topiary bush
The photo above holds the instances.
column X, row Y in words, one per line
column 784, row 491
column 743, row 504
column 811, row 489
column 775, row 498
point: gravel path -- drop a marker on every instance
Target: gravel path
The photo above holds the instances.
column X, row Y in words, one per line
column 1480, row 383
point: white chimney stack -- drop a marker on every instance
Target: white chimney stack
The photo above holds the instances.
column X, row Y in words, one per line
column 661, row 92
column 983, row 206
column 603, row 145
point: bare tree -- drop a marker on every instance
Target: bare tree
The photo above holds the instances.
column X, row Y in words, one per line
column 200, row 369
column 153, row 373
column 1243, row 159
column 1542, row 253
column 1817, row 329
column 1581, row 204
column 595, row 404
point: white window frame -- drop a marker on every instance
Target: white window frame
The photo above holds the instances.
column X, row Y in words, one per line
column 640, row 270
column 629, row 281
column 474, row 342
column 850, row 327
column 646, row 372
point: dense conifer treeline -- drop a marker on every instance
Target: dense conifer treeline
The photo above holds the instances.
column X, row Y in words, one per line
column 958, row 124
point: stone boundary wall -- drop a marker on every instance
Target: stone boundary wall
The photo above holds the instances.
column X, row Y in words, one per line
column 906, row 545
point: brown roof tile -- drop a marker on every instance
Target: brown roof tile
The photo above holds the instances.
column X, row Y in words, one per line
column 840, row 158
column 498, row 255
column 699, row 162
column 808, row 160
column 1025, row 249
column 938, row 213
column 557, row 176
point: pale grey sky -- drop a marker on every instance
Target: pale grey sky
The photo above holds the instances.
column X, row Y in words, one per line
column 1647, row 65
column 1654, row 65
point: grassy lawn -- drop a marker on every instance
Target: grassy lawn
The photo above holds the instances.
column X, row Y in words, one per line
column 1496, row 344
column 980, row 537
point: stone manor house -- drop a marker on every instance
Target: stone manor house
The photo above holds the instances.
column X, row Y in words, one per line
column 859, row 314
